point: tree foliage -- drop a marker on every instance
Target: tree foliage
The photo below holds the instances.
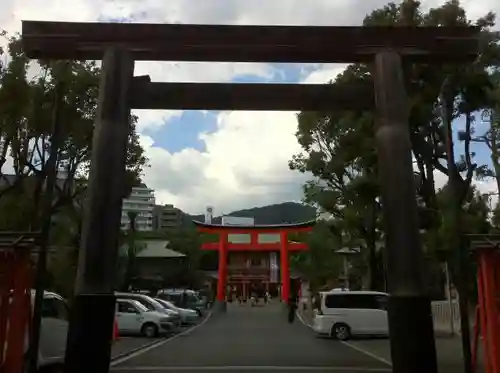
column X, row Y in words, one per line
column 27, row 99
column 338, row 147
column 27, row 119
column 320, row 261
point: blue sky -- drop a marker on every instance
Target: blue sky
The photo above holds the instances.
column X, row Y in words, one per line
column 183, row 131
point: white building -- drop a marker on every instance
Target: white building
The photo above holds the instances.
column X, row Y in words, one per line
column 142, row 202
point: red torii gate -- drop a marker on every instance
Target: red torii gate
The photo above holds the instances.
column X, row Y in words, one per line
column 223, row 246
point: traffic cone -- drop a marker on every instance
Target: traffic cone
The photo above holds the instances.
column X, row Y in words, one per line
column 116, row 334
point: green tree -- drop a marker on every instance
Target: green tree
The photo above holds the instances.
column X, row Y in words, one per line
column 132, row 249
column 339, row 152
column 319, row 264
column 26, row 128
column 339, row 146
column 26, row 121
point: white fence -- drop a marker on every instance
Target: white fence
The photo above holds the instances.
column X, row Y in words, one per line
column 446, row 319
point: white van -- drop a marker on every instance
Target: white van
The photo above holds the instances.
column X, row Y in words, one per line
column 342, row 314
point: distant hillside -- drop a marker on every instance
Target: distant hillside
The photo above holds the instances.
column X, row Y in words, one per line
column 287, row 212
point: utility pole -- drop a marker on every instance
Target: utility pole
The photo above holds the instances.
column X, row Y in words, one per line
column 413, row 347
column 93, row 309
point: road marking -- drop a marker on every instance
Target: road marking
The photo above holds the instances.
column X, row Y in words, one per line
column 248, row 368
column 367, row 353
column 354, row 347
column 157, row 344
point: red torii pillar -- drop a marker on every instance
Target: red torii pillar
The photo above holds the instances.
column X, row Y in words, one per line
column 284, row 267
column 223, row 246
column 488, row 312
column 222, row 274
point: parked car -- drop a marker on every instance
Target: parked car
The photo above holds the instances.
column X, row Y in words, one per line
column 53, row 332
column 188, row 316
column 184, row 298
column 134, row 318
column 342, row 314
column 153, row 305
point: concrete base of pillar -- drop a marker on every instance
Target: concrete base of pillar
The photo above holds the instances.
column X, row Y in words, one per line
column 220, row 306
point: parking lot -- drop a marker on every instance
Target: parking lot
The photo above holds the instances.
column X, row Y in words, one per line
column 448, row 348
column 260, row 339
column 251, row 339
column 129, row 345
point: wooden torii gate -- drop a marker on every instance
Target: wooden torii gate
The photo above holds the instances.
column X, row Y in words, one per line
column 119, row 45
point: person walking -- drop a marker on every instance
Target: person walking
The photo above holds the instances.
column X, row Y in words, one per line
column 293, row 301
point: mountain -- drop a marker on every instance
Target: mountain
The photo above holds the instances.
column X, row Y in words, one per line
column 287, row 212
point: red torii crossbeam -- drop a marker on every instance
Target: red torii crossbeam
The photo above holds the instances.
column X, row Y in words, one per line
column 283, row 246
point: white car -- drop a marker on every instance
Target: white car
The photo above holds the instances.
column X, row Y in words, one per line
column 342, row 314
column 134, row 318
column 153, row 305
column 187, row 316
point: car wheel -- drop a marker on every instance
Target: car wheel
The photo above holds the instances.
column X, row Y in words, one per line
column 149, row 330
column 341, row 331
column 199, row 312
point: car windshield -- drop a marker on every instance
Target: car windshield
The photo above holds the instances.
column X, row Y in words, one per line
column 150, row 303
column 166, row 303
column 140, row 307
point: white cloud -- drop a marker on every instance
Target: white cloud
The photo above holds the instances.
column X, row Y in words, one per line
column 245, row 161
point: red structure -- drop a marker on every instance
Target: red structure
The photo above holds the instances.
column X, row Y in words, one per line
column 282, row 245
column 488, row 310
column 15, row 298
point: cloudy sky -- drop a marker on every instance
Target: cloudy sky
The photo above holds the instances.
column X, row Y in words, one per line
column 229, row 160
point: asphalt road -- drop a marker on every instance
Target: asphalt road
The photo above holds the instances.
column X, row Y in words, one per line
column 247, row 339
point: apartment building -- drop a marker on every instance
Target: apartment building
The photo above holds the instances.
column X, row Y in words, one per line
column 142, row 202
column 167, row 217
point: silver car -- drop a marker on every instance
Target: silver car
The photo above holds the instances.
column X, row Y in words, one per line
column 187, row 316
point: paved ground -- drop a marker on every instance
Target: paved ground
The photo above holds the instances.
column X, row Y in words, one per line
column 247, row 339
column 126, row 345
column 449, row 350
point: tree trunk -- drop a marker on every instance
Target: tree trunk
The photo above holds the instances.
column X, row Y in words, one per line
column 131, row 254
column 371, row 244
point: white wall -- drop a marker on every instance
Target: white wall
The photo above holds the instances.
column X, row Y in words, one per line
column 237, row 221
